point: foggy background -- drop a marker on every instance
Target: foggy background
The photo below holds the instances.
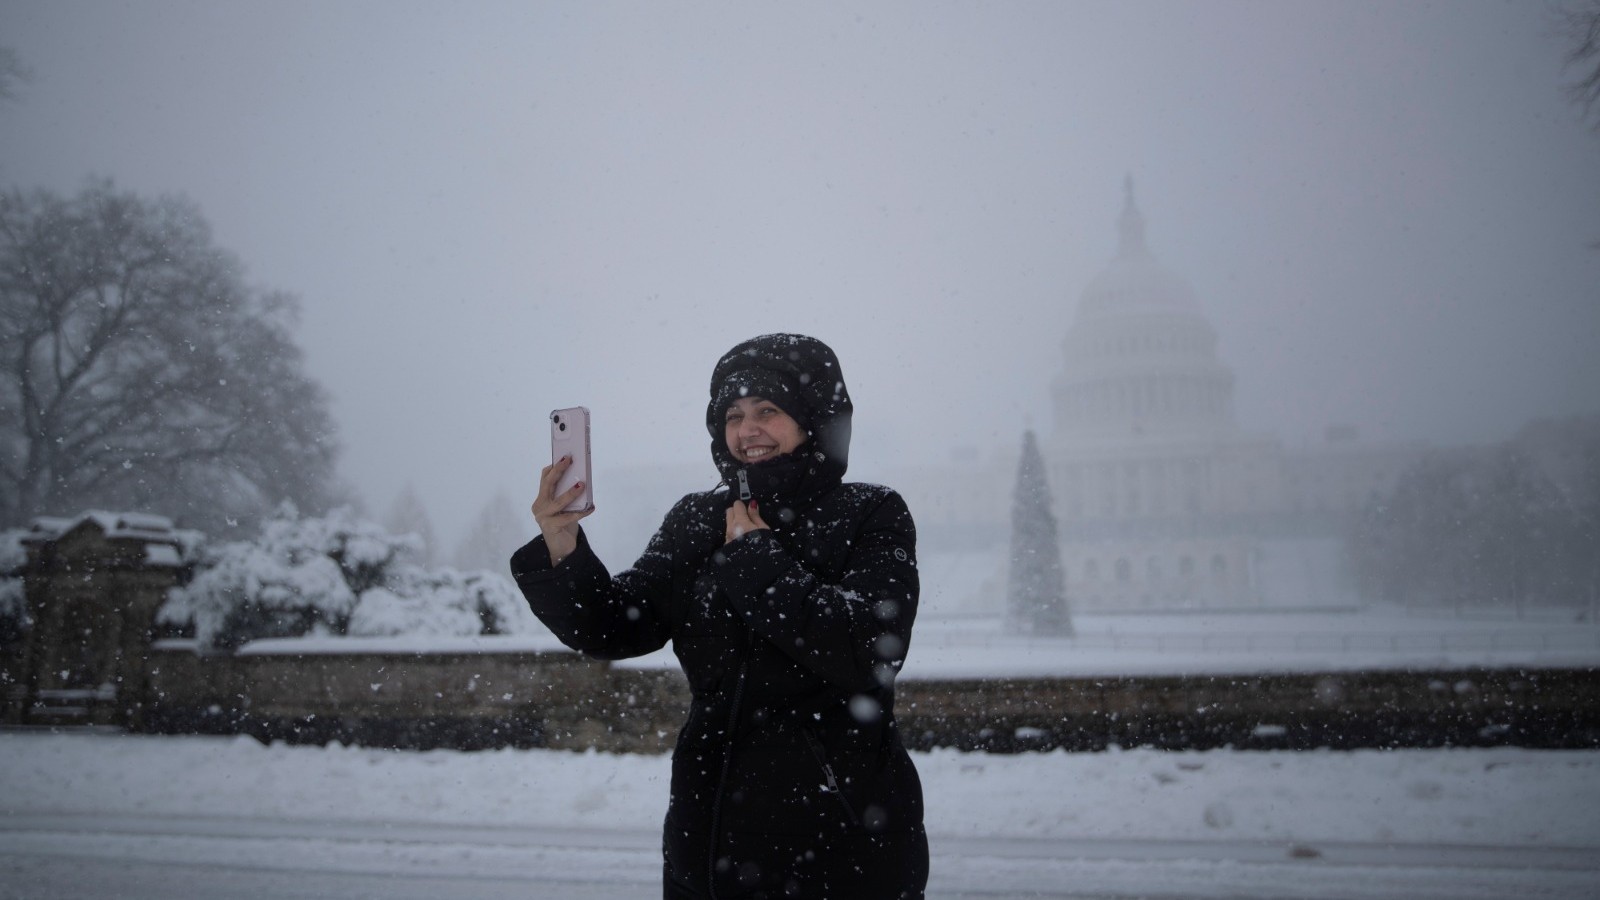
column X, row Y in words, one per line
column 1388, row 211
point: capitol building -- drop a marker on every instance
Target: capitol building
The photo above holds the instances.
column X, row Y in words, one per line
column 1163, row 502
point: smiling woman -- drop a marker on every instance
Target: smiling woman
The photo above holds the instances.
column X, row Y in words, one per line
column 788, row 596
column 757, row 428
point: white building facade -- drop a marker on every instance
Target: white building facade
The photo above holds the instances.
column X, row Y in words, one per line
column 1163, row 501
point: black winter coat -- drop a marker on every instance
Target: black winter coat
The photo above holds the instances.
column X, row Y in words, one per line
column 789, row 771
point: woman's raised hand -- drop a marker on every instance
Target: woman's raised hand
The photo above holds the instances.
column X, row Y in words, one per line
column 559, row 527
column 742, row 519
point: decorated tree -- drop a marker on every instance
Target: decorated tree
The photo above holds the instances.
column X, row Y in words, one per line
column 1036, row 592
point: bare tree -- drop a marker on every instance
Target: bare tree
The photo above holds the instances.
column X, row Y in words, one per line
column 12, row 72
column 137, row 370
column 1506, row 527
column 1580, row 27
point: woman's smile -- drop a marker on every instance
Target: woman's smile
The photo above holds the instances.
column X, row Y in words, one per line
column 756, row 429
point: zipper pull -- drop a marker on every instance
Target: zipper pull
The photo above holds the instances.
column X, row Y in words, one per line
column 744, row 486
column 833, row 783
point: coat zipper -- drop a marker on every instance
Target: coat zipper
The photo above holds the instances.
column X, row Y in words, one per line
column 832, row 785
column 727, row 760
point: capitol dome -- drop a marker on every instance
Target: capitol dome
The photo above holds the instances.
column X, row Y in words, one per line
column 1135, row 282
column 1140, row 357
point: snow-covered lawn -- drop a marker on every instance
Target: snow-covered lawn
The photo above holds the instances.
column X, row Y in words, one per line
column 1217, row 643
column 1498, row 797
column 150, row 817
column 1492, row 817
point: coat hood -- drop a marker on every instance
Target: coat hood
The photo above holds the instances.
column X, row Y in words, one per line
column 802, row 376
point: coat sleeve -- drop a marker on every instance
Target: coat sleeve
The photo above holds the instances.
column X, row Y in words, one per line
column 591, row 611
column 853, row 632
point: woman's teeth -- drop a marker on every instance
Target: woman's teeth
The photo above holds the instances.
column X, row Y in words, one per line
column 756, row 452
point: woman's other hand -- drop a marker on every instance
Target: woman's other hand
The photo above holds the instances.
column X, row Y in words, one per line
column 742, row 519
column 559, row 527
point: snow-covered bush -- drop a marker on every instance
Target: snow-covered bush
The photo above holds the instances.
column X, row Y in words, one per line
column 336, row 574
column 441, row 601
column 13, row 609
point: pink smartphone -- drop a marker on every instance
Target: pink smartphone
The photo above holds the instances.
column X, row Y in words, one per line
column 569, row 435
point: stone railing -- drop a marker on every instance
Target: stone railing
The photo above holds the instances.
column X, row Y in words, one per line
column 464, row 693
column 93, row 585
column 1340, row 710
column 494, row 692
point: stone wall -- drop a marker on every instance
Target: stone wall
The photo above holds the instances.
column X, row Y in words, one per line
column 1548, row 708
column 466, row 700
column 563, row 700
column 93, row 585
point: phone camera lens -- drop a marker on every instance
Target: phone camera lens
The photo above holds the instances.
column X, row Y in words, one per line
column 562, row 426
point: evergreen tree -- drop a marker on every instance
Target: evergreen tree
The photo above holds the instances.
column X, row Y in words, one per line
column 1036, row 592
column 495, row 533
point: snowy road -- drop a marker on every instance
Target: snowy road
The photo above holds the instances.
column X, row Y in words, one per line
column 77, row 855
column 105, row 815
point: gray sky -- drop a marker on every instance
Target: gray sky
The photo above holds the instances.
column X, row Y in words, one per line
column 489, row 210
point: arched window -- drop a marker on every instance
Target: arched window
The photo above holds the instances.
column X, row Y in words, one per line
column 1186, row 566
column 1091, row 571
column 1124, row 570
column 1219, row 566
column 1152, row 569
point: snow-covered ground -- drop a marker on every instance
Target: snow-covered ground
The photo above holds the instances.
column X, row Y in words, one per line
column 154, row 817
column 117, row 815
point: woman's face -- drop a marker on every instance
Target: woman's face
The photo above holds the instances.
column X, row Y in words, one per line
column 756, row 430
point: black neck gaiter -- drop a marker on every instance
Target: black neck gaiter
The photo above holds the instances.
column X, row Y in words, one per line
column 775, row 480
column 782, row 486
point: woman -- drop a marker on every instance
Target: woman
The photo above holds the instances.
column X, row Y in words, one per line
column 788, row 596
